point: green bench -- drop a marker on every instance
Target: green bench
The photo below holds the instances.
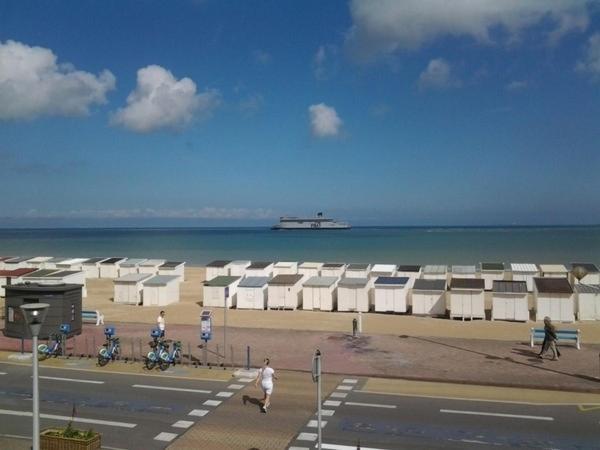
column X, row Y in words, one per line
column 92, row 317
column 571, row 336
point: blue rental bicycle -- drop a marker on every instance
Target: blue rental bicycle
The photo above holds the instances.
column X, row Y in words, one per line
column 170, row 357
column 158, row 346
column 56, row 347
column 110, row 349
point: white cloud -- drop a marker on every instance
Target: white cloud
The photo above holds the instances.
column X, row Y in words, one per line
column 325, row 62
column 324, row 121
column 32, row 84
column 382, row 27
column 516, row 85
column 437, row 75
column 161, row 101
column 590, row 64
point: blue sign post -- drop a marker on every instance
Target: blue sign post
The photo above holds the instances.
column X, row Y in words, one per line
column 206, row 325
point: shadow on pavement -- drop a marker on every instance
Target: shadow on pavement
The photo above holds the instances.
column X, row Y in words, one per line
column 254, row 401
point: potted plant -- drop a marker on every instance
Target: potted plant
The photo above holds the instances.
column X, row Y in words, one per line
column 69, row 438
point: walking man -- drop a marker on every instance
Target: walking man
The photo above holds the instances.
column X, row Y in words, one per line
column 266, row 375
column 160, row 323
column 550, row 339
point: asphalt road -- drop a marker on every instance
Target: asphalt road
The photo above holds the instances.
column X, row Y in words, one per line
column 130, row 411
column 391, row 422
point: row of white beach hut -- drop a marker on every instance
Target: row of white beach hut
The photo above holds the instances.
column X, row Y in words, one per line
column 462, row 298
column 146, row 289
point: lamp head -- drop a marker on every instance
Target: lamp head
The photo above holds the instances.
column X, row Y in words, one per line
column 35, row 313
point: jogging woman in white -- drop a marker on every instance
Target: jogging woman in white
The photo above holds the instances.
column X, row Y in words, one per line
column 266, row 375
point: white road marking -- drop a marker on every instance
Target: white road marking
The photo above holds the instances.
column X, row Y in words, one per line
column 235, row 386
column 165, row 437
column 510, row 416
column 338, row 395
column 344, row 388
column 345, row 447
column 74, row 380
column 3, row 373
column 332, row 403
column 307, row 437
column 225, row 394
column 198, row 412
column 245, row 380
column 165, row 388
column 315, row 424
column 291, row 448
column 371, row 405
column 349, row 381
column 109, row 423
column 327, row 412
column 212, row 402
column 183, row 424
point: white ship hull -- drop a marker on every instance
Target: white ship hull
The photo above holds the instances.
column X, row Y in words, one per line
column 319, row 223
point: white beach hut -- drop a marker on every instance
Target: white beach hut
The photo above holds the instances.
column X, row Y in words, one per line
column 524, row 272
column 467, row 299
column 71, row 264
column 39, row 262
column 91, row 267
column 220, row 291
column 412, row 272
column 382, row 270
column 588, row 301
column 464, row 271
column 285, row 268
column 238, row 268
column 131, row 265
column 109, row 268
column 284, row 291
column 358, row 270
column 38, row 276
column 510, row 300
column 150, row 266
column 490, row 272
column 252, row 293
column 353, row 294
column 333, row 270
column 52, row 263
column 8, row 277
column 160, row 290
column 218, row 268
column 554, row 298
column 592, row 274
column 435, row 272
column 129, row 288
column 319, row 293
column 310, row 269
column 2, row 259
column 54, row 276
column 429, row 297
column 176, row 268
column 553, row 271
column 390, row 294
column 260, row 269
column 17, row 262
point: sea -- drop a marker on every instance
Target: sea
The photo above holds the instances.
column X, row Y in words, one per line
column 397, row 245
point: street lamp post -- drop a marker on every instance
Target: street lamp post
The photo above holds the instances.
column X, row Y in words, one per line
column 35, row 313
column 316, row 374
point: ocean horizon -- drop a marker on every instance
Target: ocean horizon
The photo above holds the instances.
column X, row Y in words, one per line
column 368, row 244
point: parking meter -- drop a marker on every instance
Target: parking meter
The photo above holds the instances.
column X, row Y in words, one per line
column 206, row 325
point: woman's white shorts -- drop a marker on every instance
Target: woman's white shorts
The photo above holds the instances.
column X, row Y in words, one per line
column 267, row 388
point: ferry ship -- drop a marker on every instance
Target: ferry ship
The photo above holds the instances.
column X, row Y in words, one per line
column 314, row 223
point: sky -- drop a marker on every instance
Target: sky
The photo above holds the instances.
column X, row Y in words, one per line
column 381, row 112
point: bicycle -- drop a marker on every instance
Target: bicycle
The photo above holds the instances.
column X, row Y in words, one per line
column 173, row 357
column 56, row 348
column 158, row 346
column 110, row 349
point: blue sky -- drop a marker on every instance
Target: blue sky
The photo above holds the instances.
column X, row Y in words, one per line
column 233, row 113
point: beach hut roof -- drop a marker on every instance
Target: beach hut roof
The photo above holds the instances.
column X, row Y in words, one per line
column 333, row 265
column 18, row 259
column 133, row 278
column 58, row 259
column 553, row 286
column 64, row 273
column 240, row 262
column 383, row 268
column 589, row 267
column 587, row 288
column 4, row 258
column 73, row 261
column 467, row 283
column 429, row 285
column 152, row 262
column 510, row 287
column 391, row 281
column 353, row 282
column 286, row 264
column 320, row 281
column 254, row 282
column 554, row 268
column 260, row 265
column 171, row 264
column 133, row 262
column 112, row 261
column 218, row 263
column 287, row 279
column 221, row 281
column 161, row 280
column 38, row 259
column 311, row 265
column 16, row 272
column 409, row 268
column 464, row 269
column 94, row 260
column 435, row 269
column 358, row 266
column 42, row 273
column 494, row 266
column 43, row 287
column 520, row 267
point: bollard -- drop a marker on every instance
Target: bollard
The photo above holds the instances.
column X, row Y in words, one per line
column 189, row 354
column 140, row 347
column 218, row 355
column 93, row 345
column 86, row 348
column 75, row 346
column 247, row 357
column 205, row 348
column 22, row 346
column 354, row 327
column 231, row 352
